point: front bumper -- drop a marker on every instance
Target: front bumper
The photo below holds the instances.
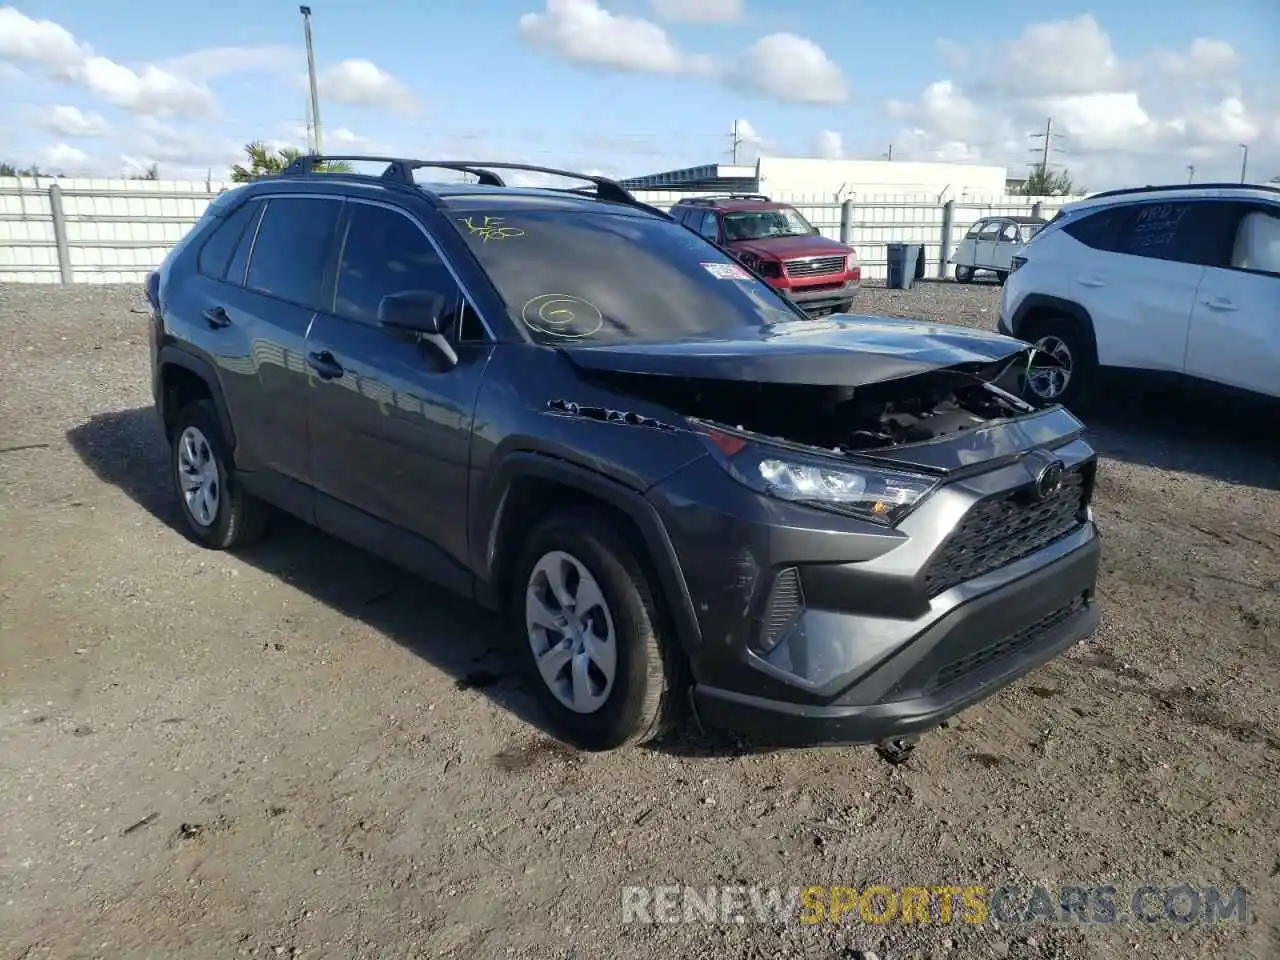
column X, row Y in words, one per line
column 824, row 298
column 815, row 627
column 963, row 658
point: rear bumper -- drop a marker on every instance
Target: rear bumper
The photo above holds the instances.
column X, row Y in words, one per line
column 963, row 657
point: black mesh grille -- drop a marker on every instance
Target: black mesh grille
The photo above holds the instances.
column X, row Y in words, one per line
column 1004, row 528
column 785, row 600
column 1006, row 647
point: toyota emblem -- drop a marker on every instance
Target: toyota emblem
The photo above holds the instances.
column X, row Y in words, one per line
column 1049, row 479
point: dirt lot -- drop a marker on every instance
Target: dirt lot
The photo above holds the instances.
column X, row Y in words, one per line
column 299, row 751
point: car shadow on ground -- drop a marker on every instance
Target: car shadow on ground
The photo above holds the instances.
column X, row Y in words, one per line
column 127, row 450
column 1188, row 430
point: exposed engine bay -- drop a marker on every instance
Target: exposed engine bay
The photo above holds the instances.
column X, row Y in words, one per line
column 841, row 418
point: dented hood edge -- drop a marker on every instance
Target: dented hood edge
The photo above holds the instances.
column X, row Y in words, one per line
column 842, row 350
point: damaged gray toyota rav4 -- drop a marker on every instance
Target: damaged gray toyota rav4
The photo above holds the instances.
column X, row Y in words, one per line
column 680, row 492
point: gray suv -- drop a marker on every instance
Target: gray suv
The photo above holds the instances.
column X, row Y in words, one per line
column 677, row 489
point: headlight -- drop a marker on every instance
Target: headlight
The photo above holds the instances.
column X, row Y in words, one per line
column 870, row 493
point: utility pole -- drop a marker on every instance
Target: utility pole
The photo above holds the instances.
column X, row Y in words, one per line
column 1244, row 161
column 1191, row 172
column 311, row 76
column 889, row 155
column 735, row 141
column 1048, row 144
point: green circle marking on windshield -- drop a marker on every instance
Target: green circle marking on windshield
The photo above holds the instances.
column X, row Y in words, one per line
column 562, row 315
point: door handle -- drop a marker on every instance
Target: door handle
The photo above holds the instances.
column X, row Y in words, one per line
column 324, row 365
column 217, row 318
column 1219, row 303
column 1092, row 282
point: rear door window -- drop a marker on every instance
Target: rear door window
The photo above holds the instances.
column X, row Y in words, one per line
column 217, row 251
column 293, row 244
column 1190, row 231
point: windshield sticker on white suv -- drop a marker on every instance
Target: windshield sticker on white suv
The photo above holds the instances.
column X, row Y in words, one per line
column 726, row 271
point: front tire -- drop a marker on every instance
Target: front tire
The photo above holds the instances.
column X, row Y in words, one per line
column 586, row 624
column 216, row 512
column 964, row 274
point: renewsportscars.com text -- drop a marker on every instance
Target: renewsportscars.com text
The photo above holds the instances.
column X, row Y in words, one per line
column 973, row 904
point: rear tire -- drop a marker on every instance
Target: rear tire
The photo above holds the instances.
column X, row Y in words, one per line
column 1002, row 276
column 1061, row 337
column 216, row 511
column 964, row 274
column 586, row 626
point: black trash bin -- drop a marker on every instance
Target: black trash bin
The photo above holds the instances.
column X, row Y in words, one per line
column 903, row 258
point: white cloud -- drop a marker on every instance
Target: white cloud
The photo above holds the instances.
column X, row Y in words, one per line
column 65, row 159
column 583, row 32
column 74, row 122
column 1116, row 121
column 1205, row 58
column 148, row 89
column 790, row 69
column 40, row 42
column 828, row 145
column 364, row 83
column 214, row 62
column 698, row 11
column 1058, row 58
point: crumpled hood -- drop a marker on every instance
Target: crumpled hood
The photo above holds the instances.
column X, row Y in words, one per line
column 839, row 350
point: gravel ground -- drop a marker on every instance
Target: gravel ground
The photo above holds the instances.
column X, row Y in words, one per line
column 299, row 751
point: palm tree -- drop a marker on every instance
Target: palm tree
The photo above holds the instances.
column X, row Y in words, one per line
column 264, row 162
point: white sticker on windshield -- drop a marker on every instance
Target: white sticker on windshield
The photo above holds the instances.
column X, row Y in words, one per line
column 726, row 271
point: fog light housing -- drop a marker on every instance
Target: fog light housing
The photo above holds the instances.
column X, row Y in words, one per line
column 783, row 606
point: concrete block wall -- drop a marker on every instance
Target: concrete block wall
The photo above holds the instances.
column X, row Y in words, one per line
column 116, row 231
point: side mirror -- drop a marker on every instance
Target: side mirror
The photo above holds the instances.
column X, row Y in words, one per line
column 422, row 313
column 414, row 311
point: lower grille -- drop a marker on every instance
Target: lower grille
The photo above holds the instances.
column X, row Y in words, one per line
column 957, row 670
column 1005, row 528
column 814, row 266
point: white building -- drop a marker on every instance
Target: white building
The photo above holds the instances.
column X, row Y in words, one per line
column 833, row 179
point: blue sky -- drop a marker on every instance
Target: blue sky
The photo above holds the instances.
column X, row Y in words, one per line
column 630, row 86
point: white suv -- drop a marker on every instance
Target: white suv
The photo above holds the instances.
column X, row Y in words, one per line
column 1181, row 280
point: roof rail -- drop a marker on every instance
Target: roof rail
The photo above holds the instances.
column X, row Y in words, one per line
column 1150, row 188
column 401, row 171
column 716, row 198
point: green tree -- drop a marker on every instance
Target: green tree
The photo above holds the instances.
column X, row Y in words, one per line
column 264, row 162
column 1046, row 183
column 9, row 170
column 151, row 173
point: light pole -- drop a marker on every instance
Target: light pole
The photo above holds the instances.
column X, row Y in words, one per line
column 1191, row 172
column 1244, row 160
column 311, row 76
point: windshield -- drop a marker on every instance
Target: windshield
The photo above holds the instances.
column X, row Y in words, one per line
column 584, row 277
column 761, row 224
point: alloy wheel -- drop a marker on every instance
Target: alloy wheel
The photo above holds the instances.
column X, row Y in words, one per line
column 571, row 631
column 198, row 476
column 1050, row 381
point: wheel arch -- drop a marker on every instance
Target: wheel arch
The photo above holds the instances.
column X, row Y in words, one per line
column 529, row 486
column 1037, row 307
column 181, row 371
